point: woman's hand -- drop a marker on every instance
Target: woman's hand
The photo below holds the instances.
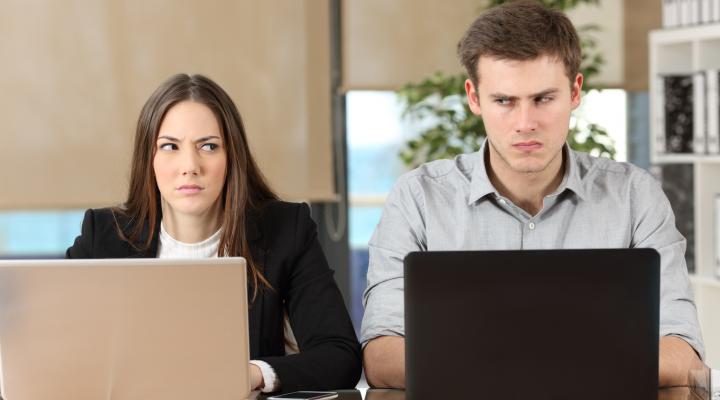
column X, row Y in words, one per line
column 256, row 378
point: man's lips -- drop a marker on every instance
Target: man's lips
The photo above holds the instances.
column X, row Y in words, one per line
column 528, row 145
column 189, row 189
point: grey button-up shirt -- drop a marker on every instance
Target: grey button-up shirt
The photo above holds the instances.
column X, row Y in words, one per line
column 451, row 205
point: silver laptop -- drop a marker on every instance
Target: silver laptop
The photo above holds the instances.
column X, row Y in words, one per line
column 124, row 329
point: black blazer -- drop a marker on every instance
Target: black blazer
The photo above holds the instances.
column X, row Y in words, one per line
column 283, row 241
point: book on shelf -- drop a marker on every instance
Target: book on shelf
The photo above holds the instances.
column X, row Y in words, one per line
column 706, row 11
column 698, row 113
column 688, row 118
column 678, row 13
column 669, row 13
column 684, row 19
column 675, row 122
column 659, row 122
column 712, row 114
column 717, row 234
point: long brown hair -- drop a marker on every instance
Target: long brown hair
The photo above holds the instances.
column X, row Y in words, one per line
column 245, row 187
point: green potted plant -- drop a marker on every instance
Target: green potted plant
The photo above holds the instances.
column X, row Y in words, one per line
column 450, row 128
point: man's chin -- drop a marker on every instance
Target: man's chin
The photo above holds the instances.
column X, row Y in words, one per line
column 529, row 168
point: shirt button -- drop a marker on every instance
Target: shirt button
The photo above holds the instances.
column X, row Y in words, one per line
column 531, row 225
column 502, row 201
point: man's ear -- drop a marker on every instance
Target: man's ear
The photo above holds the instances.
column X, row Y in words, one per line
column 472, row 97
column 576, row 92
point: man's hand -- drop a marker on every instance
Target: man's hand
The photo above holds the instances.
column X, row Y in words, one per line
column 384, row 359
column 677, row 360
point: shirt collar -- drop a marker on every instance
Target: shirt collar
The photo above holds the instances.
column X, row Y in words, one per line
column 480, row 185
column 572, row 180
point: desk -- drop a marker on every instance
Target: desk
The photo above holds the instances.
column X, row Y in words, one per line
column 389, row 394
column 700, row 379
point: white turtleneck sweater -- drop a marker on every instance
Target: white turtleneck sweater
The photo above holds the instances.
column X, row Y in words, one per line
column 169, row 247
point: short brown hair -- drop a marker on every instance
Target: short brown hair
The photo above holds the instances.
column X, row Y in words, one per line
column 520, row 30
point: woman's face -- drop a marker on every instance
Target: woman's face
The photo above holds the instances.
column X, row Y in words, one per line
column 190, row 160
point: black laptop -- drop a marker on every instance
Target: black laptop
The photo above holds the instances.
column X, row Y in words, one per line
column 532, row 324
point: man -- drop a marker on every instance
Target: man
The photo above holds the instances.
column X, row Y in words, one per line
column 525, row 189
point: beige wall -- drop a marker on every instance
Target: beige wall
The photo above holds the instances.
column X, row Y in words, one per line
column 641, row 16
column 75, row 74
column 390, row 43
column 609, row 16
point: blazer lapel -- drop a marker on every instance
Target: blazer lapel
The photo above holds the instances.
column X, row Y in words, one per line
column 152, row 250
column 128, row 250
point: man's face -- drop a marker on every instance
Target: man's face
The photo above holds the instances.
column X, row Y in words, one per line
column 526, row 108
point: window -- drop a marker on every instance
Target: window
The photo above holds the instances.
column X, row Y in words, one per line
column 38, row 234
column 375, row 135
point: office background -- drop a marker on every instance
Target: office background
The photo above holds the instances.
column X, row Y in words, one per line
column 315, row 82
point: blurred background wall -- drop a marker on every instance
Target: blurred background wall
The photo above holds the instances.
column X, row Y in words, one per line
column 75, row 74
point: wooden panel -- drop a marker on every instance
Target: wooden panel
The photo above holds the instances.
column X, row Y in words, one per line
column 641, row 16
column 608, row 16
column 76, row 73
column 390, row 43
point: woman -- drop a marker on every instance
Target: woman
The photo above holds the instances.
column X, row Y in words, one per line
column 196, row 191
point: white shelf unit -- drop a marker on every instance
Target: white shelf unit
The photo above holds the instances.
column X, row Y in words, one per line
column 684, row 51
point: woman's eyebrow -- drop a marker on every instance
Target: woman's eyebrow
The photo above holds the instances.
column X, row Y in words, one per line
column 206, row 138
column 198, row 140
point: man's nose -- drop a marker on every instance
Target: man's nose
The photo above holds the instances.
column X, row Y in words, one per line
column 526, row 119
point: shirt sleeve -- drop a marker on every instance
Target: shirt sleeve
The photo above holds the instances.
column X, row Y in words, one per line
column 654, row 227
column 400, row 231
column 269, row 376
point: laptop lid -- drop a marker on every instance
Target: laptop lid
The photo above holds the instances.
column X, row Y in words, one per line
column 539, row 324
column 124, row 329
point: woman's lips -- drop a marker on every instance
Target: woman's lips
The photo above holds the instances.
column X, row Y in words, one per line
column 189, row 189
column 528, row 146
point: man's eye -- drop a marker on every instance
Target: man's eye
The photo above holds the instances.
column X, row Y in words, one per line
column 544, row 99
column 502, row 102
column 209, row 146
column 168, row 146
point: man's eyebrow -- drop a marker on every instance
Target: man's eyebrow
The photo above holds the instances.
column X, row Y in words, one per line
column 545, row 92
column 532, row 96
column 502, row 96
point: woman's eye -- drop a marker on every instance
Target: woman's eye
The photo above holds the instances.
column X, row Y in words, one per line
column 168, row 146
column 209, row 146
